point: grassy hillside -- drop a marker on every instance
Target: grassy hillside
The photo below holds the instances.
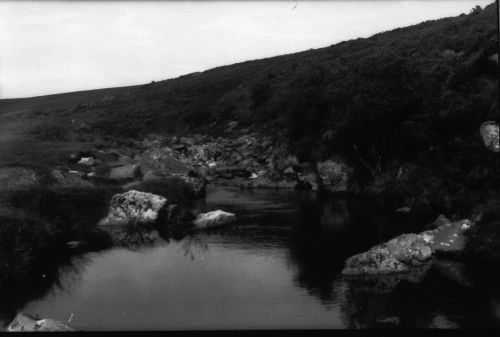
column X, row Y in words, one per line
column 413, row 97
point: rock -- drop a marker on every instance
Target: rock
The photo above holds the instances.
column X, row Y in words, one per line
column 125, row 172
column 161, row 160
column 335, row 175
column 24, row 323
column 134, row 207
column 490, row 134
column 309, row 179
column 196, row 182
column 405, row 209
column 70, row 180
column 73, row 244
column 400, row 254
column 17, row 179
column 214, row 219
column 153, row 140
column 440, row 221
column 89, row 161
column 449, row 238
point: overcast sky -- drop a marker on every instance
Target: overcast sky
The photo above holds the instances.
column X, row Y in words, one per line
column 51, row 47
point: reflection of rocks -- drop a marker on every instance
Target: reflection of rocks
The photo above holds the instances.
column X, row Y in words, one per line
column 453, row 270
column 334, row 214
column 386, row 283
column 134, row 207
column 28, row 324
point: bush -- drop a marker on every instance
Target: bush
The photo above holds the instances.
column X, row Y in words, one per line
column 50, row 132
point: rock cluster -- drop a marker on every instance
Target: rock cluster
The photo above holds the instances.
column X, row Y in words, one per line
column 407, row 251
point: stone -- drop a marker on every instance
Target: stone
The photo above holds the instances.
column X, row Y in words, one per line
column 490, row 134
column 450, row 238
column 88, row 161
column 400, row 254
column 404, row 209
column 309, row 180
column 17, row 179
column 27, row 324
column 134, row 207
column 70, row 180
column 335, row 175
column 214, row 219
column 159, row 159
column 153, row 140
column 125, row 172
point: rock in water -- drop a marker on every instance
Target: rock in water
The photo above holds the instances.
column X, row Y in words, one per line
column 17, row 179
column 400, row 254
column 335, row 175
column 449, row 238
column 214, row 219
column 24, row 323
column 160, row 160
column 70, row 180
column 490, row 133
column 134, row 207
column 125, row 172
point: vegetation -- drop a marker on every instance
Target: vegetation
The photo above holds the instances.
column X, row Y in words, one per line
column 411, row 97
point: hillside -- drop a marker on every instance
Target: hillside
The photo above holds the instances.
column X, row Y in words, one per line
column 412, row 97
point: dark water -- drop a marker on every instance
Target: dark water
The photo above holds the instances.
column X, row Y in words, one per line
column 278, row 267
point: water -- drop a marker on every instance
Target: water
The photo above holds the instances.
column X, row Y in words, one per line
column 277, row 268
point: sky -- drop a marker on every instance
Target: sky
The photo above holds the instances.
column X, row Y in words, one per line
column 49, row 47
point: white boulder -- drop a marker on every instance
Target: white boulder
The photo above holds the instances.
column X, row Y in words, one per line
column 214, row 219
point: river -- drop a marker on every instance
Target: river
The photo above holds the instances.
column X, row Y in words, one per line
column 278, row 267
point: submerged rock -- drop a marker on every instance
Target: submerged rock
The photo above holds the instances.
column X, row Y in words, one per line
column 25, row 323
column 214, row 219
column 490, row 134
column 17, row 179
column 134, row 207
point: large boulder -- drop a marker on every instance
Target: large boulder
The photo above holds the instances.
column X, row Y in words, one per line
column 161, row 160
column 400, row 254
column 490, row 134
column 17, row 179
column 214, row 219
column 134, row 207
column 335, row 175
column 125, row 172
column 70, row 179
column 23, row 323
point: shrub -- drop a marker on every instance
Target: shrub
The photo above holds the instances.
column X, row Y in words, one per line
column 50, row 132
